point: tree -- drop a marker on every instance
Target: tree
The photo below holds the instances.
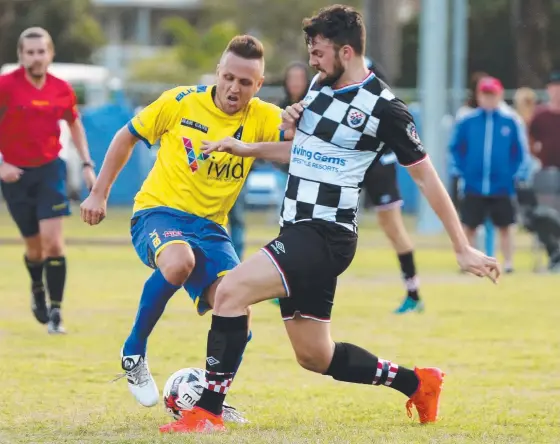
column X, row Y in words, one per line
column 512, row 40
column 71, row 23
column 195, row 52
column 276, row 23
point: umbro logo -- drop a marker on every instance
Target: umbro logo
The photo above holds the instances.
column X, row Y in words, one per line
column 280, row 246
column 212, row 361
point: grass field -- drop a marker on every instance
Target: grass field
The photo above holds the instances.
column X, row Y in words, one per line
column 499, row 345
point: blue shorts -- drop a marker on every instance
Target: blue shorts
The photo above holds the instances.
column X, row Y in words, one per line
column 39, row 194
column 153, row 229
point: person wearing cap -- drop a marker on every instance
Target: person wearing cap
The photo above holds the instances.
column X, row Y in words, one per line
column 544, row 130
column 490, row 153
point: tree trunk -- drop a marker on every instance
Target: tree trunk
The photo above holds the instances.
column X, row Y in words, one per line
column 531, row 20
column 383, row 41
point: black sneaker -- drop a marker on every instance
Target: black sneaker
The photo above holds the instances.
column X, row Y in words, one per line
column 55, row 322
column 39, row 303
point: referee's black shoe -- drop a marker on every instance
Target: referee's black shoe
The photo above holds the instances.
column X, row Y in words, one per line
column 39, row 304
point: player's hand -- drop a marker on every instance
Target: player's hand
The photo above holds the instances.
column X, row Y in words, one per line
column 227, row 145
column 94, row 209
column 290, row 117
column 477, row 263
column 10, row 173
column 89, row 177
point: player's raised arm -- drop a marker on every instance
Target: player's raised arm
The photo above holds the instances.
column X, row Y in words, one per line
column 399, row 132
column 149, row 125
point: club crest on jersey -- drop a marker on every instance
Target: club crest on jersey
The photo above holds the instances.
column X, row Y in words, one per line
column 413, row 134
column 356, row 118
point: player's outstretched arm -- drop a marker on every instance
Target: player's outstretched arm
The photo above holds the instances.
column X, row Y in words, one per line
column 469, row 259
column 94, row 208
column 272, row 151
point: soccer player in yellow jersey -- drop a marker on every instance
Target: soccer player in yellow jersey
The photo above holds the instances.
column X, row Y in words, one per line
column 180, row 212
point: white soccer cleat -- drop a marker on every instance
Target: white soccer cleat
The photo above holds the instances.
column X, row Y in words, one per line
column 231, row 414
column 140, row 381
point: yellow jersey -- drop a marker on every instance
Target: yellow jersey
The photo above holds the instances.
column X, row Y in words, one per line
column 182, row 177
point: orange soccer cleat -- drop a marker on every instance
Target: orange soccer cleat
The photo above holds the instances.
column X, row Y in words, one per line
column 196, row 420
column 426, row 397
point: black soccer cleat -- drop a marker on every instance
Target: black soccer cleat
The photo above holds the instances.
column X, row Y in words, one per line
column 39, row 304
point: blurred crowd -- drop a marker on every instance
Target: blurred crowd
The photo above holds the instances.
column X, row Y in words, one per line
column 505, row 162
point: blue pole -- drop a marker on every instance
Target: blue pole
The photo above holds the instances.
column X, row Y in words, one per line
column 459, row 52
column 433, row 94
column 489, row 238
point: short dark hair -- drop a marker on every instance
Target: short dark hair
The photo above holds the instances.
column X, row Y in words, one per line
column 246, row 46
column 341, row 24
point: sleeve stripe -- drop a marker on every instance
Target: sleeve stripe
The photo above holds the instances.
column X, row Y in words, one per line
column 136, row 134
column 416, row 163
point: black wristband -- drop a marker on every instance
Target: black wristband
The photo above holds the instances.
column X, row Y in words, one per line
column 87, row 165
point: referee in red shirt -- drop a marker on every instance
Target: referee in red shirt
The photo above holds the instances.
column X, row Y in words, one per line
column 32, row 176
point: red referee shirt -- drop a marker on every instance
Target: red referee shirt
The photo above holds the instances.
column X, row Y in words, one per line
column 29, row 118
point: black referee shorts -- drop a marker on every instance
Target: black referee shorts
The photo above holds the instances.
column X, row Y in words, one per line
column 309, row 257
column 380, row 183
column 39, row 194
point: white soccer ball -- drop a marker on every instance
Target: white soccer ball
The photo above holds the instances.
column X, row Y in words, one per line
column 182, row 390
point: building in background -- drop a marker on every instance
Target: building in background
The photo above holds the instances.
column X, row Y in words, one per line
column 133, row 31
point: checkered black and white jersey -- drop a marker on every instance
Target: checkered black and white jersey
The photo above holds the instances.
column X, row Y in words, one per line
column 339, row 136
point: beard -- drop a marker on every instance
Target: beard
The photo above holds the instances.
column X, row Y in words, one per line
column 35, row 72
column 331, row 78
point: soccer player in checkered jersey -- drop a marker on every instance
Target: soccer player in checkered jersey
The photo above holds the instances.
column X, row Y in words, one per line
column 380, row 183
column 349, row 116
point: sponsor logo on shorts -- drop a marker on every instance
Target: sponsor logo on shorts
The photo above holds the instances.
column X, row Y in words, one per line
column 156, row 241
column 172, row 233
column 59, row 207
column 316, row 159
column 194, row 125
column 278, row 247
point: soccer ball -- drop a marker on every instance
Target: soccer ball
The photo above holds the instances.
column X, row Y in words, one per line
column 182, row 390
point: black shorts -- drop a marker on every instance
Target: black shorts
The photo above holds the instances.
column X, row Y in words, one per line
column 475, row 209
column 380, row 183
column 310, row 256
column 39, row 194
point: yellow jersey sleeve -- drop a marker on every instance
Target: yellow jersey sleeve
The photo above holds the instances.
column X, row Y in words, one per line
column 154, row 121
column 270, row 126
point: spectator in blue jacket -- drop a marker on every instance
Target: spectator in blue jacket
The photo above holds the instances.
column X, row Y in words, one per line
column 490, row 152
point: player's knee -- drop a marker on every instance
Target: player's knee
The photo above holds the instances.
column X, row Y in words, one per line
column 229, row 295
column 314, row 360
column 52, row 248
column 34, row 251
column 176, row 263
column 388, row 222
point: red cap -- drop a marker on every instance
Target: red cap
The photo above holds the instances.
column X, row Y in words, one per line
column 490, row 85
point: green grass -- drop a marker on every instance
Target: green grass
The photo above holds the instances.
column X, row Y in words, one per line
column 499, row 346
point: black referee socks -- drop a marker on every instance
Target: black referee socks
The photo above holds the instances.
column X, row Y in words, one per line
column 55, row 270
